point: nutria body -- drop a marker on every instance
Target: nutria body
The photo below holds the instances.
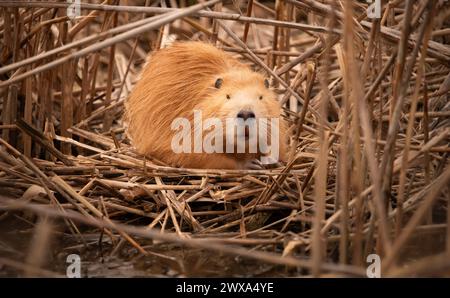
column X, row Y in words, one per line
column 193, row 77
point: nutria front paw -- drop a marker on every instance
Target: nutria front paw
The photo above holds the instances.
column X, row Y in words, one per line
column 271, row 163
column 254, row 164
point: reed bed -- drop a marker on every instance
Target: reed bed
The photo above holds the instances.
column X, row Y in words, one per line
column 367, row 99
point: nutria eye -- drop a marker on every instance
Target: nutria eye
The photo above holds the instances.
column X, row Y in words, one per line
column 266, row 83
column 218, row 83
column 260, row 97
column 228, row 96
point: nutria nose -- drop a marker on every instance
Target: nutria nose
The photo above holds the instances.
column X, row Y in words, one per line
column 246, row 115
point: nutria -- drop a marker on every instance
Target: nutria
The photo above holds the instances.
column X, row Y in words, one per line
column 196, row 78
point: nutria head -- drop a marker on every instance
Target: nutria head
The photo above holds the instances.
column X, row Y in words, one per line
column 242, row 97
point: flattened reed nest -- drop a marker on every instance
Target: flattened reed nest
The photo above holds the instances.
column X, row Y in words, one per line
column 367, row 99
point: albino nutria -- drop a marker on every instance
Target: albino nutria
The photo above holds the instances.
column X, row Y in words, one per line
column 195, row 76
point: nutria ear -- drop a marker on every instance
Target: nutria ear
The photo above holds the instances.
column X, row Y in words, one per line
column 218, row 83
column 266, row 83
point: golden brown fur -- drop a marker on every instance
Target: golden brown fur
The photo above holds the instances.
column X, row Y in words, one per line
column 180, row 79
